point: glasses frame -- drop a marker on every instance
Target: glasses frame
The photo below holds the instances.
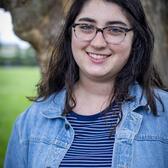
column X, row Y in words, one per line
column 126, row 30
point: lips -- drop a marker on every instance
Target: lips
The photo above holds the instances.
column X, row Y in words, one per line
column 97, row 57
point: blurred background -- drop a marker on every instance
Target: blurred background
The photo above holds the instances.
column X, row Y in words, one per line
column 28, row 29
column 19, row 73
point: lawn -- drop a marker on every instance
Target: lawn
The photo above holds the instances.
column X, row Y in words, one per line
column 15, row 84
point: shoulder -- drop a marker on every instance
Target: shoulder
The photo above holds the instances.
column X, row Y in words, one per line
column 54, row 103
column 156, row 126
column 40, row 111
column 161, row 97
column 161, row 93
column 151, row 125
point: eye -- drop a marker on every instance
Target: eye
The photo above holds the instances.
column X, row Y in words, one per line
column 86, row 28
column 114, row 30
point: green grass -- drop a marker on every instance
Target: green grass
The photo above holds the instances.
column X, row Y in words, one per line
column 15, row 84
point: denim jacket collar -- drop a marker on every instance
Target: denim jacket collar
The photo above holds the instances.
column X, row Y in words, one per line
column 57, row 102
column 139, row 100
column 56, row 105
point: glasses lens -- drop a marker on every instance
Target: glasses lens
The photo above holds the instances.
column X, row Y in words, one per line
column 114, row 34
column 85, row 32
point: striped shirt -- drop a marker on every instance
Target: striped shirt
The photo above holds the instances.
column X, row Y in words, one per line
column 92, row 145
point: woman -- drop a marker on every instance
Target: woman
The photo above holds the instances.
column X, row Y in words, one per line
column 101, row 102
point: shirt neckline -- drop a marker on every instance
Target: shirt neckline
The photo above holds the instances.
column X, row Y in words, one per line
column 92, row 116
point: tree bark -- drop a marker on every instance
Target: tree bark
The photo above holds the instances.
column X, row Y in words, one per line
column 39, row 23
column 157, row 15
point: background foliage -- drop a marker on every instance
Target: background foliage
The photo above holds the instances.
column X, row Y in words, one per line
column 13, row 55
column 15, row 84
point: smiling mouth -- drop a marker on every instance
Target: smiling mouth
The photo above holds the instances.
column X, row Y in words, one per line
column 98, row 56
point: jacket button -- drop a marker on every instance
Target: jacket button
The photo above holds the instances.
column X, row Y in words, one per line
column 66, row 126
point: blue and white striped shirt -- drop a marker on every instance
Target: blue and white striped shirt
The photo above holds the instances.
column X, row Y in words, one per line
column 92, row 145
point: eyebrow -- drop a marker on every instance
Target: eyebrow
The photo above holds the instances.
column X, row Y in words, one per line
column 116, row 23
column 86, row 19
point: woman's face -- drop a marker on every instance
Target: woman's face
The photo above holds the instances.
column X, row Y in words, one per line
column 98, row 59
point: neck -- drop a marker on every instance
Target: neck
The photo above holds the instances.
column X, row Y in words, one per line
column 94, row 87
column 92, row 96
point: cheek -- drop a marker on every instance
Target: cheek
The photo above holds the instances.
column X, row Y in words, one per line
column 125, row 54
column 77, row 46
column 126, row 47
column 77, row 50
column 121, row 54
column 122, row 50
column 74, row 44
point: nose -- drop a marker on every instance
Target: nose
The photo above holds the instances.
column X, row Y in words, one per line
column 98, row 41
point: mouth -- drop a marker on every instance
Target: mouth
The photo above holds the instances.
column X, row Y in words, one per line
column 97, row 57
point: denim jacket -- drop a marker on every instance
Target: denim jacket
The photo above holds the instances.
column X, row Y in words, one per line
column 41, row 135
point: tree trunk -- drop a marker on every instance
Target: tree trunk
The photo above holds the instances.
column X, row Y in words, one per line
column 39, row 23
column 157, row 14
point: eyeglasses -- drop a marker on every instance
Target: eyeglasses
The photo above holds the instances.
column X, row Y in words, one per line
column 112, row 34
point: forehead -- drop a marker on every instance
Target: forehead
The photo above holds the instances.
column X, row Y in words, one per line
column 102, row 12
